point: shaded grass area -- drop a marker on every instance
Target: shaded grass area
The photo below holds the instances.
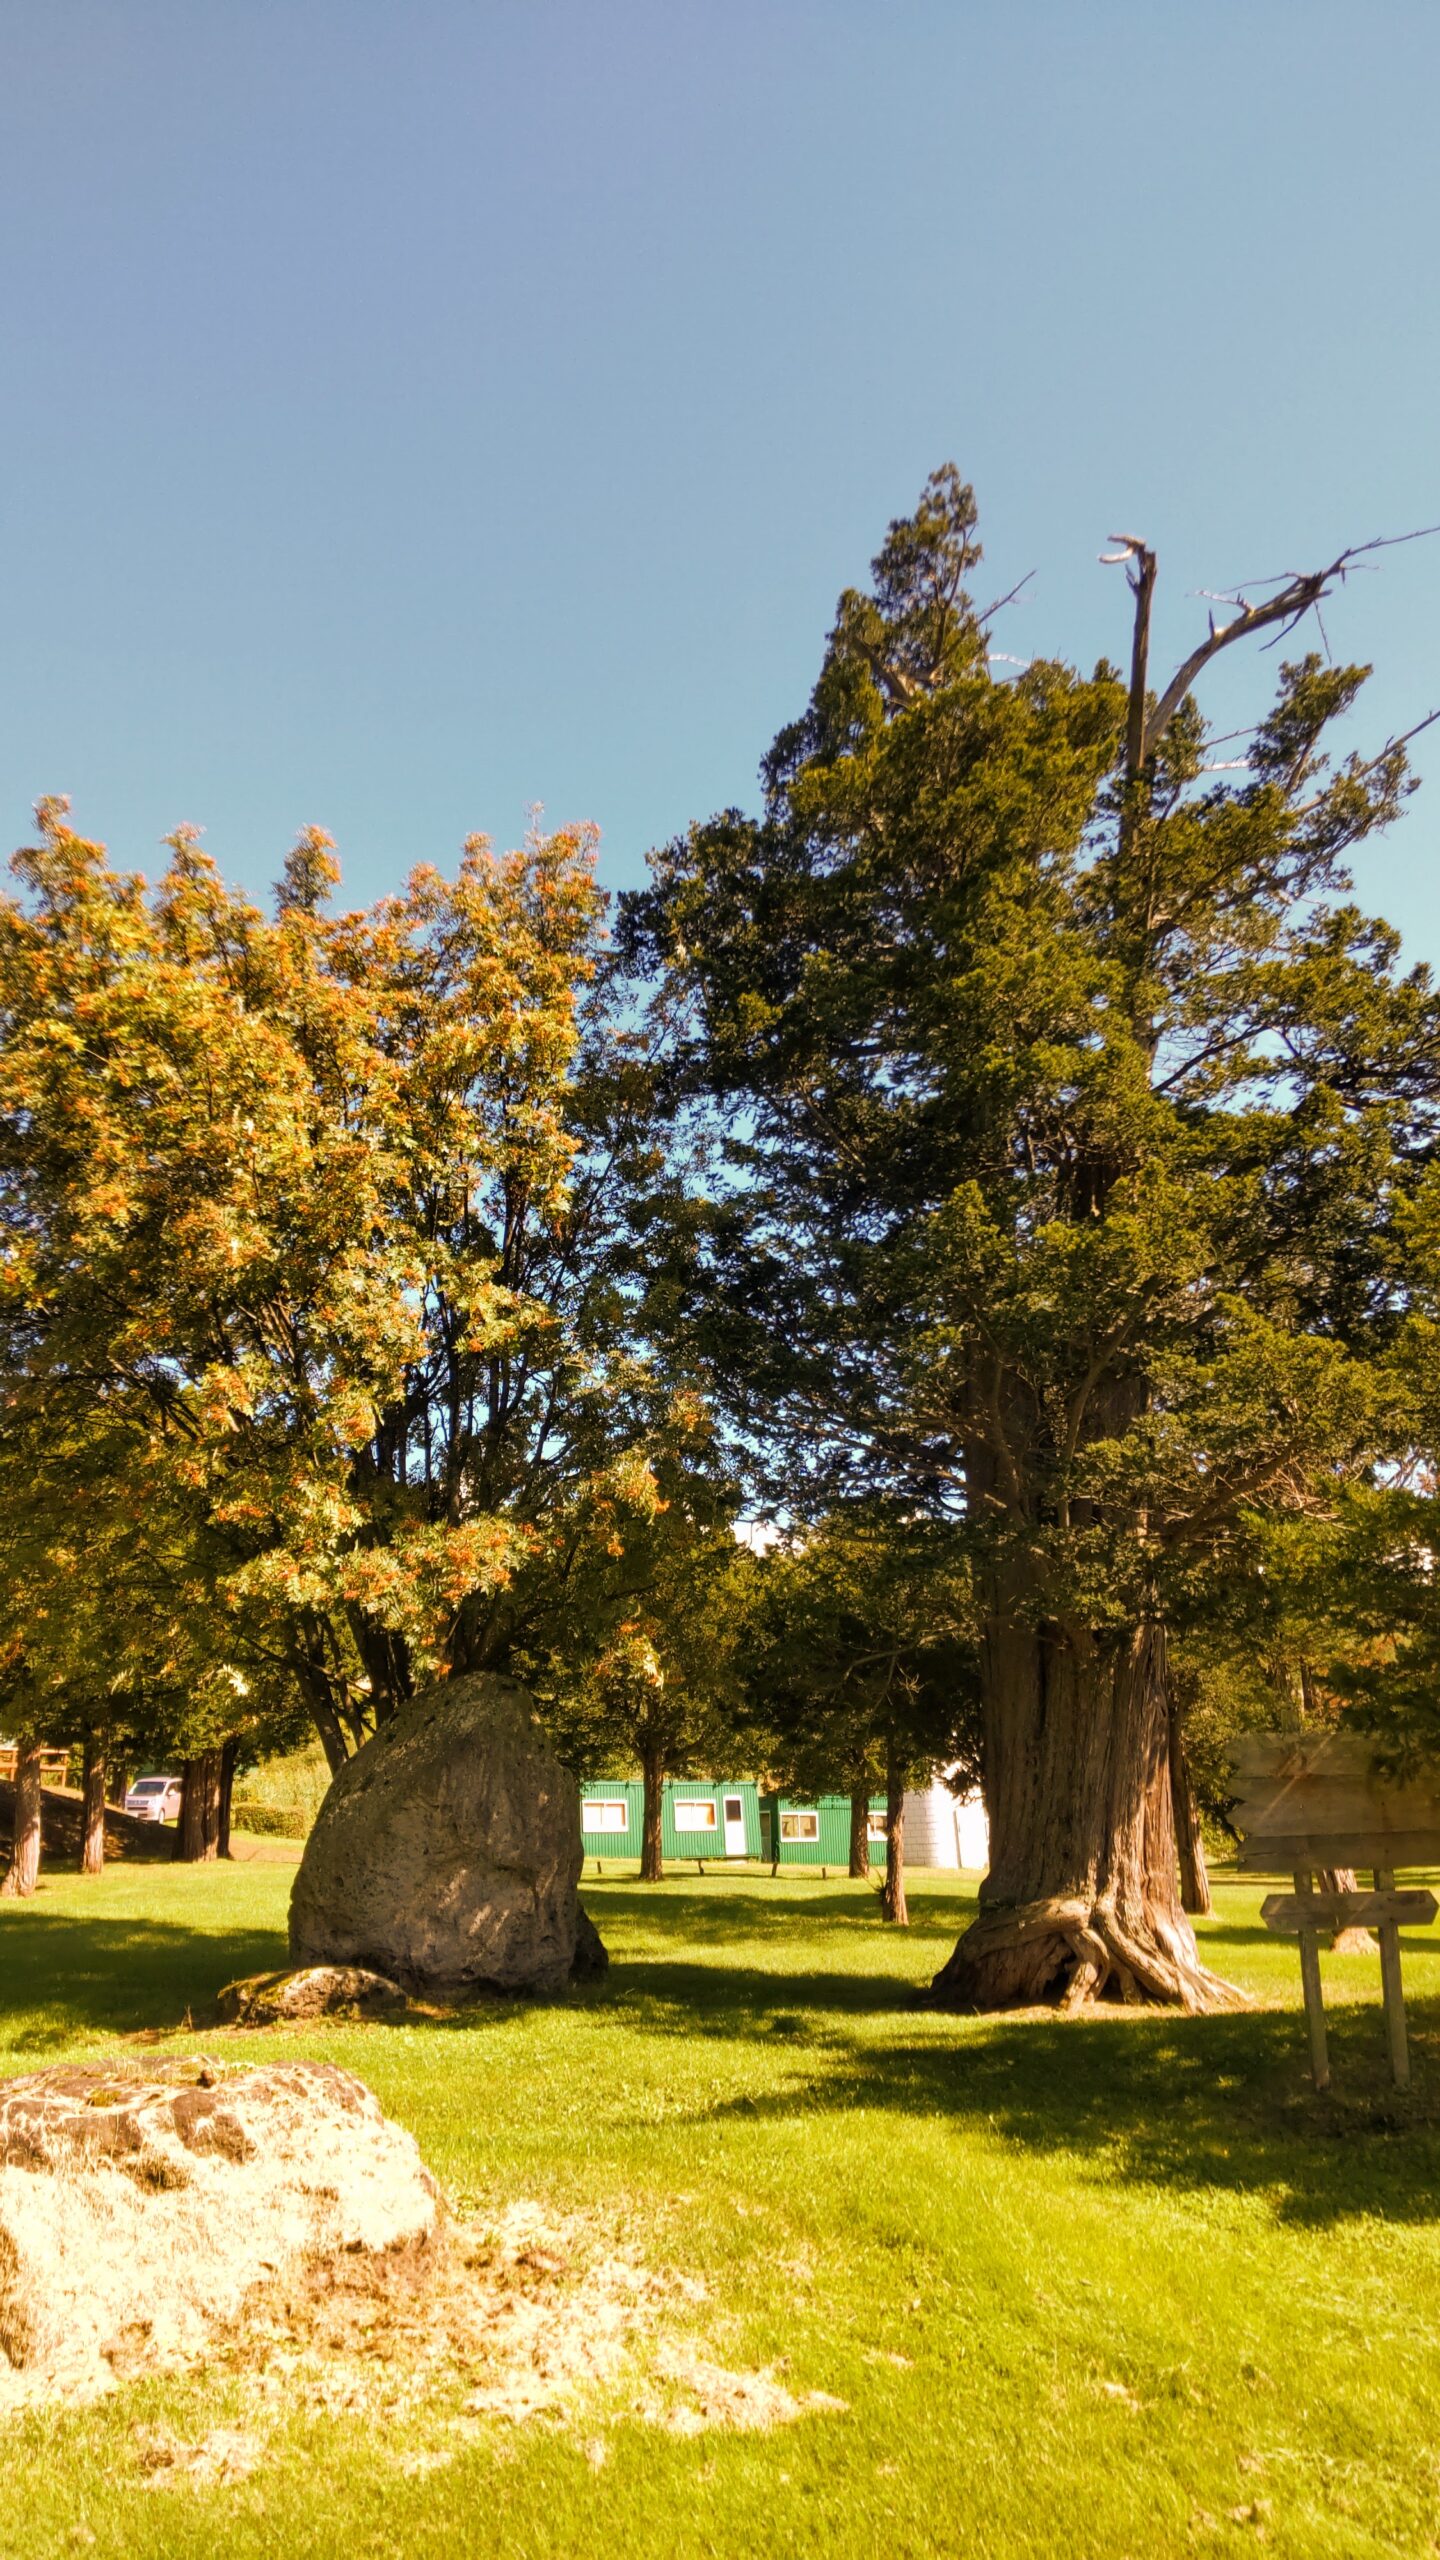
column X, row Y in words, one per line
column 1120, row 2286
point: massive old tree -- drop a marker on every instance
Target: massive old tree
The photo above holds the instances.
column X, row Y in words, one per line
column 1069, row 1104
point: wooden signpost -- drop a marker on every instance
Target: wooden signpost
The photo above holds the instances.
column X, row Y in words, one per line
column 1308, row 1803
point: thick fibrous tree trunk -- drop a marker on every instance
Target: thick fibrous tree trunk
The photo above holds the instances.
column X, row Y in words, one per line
column 23, row 1872
column 652, row 1862
column 1189, row 1841
column 1346, row 1942
column 892, row 1894
column 198, row 1835
column 92, row 1807
column 1082, row 1898
column 228, row 1758
column 860, row 1831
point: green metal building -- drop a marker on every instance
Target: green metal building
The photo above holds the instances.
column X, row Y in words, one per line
column 814, row 1831
column 699, row 1818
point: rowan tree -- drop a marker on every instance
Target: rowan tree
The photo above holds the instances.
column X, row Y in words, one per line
column 1069, row 1103
column 329, row 1218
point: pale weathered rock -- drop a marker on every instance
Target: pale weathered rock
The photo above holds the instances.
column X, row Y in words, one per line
column 447, row 1853
column 139, row 2207
column 309, row 1991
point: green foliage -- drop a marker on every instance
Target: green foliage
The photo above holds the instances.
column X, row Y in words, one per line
column 659, row 1692
column 1073, row 1114
column 857, row 1654
column 279, row 1797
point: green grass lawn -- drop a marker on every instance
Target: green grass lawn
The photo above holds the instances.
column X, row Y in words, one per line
column 1114, row 2287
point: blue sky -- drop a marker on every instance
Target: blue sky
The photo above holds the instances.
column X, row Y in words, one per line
column 413, row 411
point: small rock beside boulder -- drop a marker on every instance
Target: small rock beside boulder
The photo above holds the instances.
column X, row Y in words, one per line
column 447, row 1854
column 140, row 2207
column 309, row 1991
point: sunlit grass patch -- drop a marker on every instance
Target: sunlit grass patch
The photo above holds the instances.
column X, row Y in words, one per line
column 1114, row 2286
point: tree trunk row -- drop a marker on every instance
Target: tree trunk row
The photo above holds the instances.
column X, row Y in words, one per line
column 203, row 1832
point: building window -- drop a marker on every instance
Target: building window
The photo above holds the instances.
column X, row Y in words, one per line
column 696, row 1815
column 875, row 1828
column 799, row 1826
column 605, row 1813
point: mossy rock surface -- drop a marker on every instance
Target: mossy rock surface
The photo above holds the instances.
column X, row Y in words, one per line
column 309, row 1991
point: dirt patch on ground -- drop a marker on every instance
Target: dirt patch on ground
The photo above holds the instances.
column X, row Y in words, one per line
column 510, row 2318
column 493, row 2324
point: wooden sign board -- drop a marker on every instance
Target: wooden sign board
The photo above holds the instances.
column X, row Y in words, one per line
column 1410, row 1907
column 1317, row 1800
column 1308, row 1800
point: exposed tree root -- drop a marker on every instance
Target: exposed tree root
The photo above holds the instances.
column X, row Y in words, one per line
column 1068, row 1952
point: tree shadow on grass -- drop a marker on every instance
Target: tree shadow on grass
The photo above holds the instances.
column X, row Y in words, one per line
column 63, row 1976
column 1218, row 2104
column 716, row 1917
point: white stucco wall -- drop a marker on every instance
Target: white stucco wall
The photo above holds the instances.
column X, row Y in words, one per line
column 942, row 1830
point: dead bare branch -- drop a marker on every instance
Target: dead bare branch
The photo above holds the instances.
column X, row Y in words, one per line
column 1296, row 594
column 981, row 619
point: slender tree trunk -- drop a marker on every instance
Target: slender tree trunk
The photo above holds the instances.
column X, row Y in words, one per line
column 228, row 1758
column 332, row 1735
column 1189, row 1839
column 92, row 1805
column 23, row 1872
column 860, row 1830
column 652, row 1860
column 210, row 1797
column 307, row 1663
column 1082, row 1897
column 893, row 1905
column 198, row 1834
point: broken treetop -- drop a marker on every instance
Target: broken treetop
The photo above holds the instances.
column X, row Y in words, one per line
column 1318, row 1800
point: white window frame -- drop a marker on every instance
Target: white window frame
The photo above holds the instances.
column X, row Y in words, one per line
column 696, row 1814
column 604, row 1806
column 790, row 1824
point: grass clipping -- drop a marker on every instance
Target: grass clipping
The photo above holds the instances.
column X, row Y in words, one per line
column 494, row 2323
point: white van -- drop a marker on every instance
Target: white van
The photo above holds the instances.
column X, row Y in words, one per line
column 155, row 1800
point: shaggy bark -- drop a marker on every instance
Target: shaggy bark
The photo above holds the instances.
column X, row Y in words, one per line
column 1189, row 1840
column 893, row 1905
column 22, row 1874
column 860, row 1831
column 92, row 1806
column 1082, row 1898
column 652, row 1862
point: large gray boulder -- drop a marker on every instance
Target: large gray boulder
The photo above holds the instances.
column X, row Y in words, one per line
column 447, row 1853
